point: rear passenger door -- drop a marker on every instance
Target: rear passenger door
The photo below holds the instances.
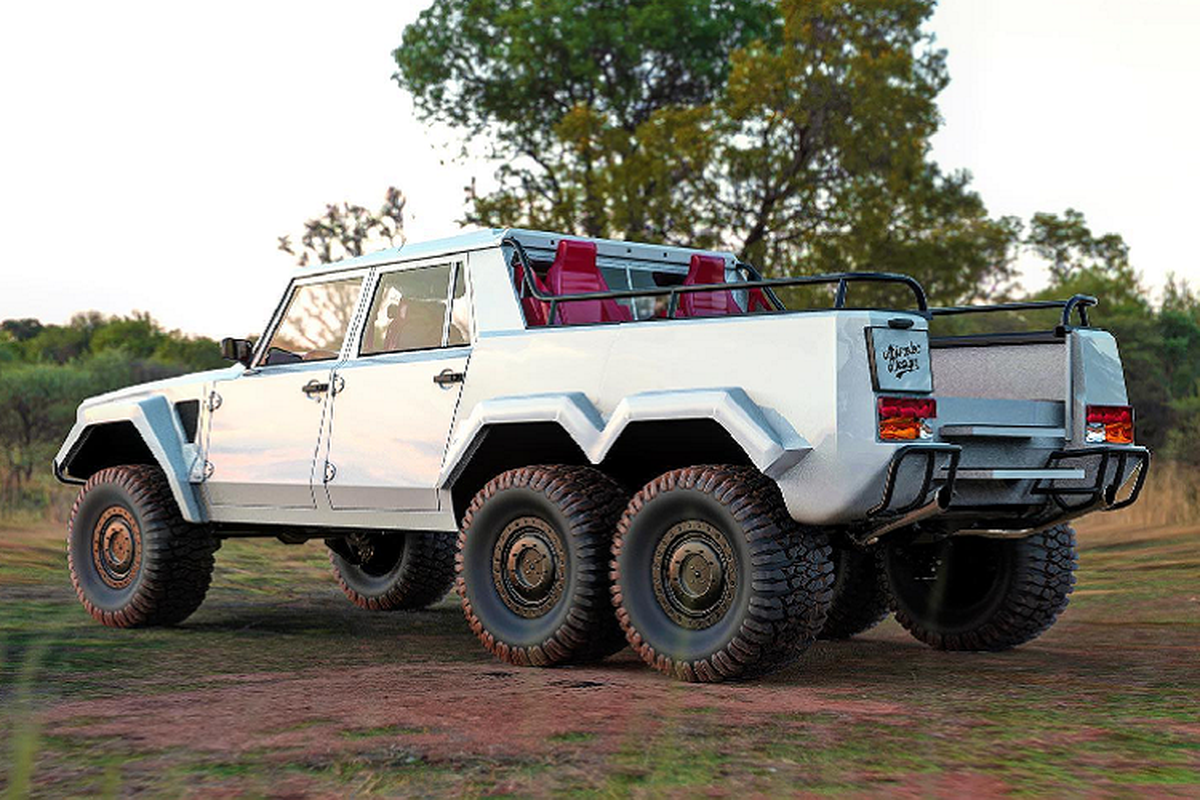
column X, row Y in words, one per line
column 394, row 400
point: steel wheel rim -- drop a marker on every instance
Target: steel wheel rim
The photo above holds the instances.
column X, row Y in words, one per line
column 116, row 547
column 695, row 575
column 529, row 566
column 378, row 554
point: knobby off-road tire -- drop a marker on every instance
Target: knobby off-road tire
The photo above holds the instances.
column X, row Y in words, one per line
column 974, row 593
column 713, row 580
column 400, row 571
column 134, row 561
column 533, row 565
column 859, row 601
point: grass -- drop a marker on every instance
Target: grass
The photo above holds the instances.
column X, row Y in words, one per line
column 409, row 704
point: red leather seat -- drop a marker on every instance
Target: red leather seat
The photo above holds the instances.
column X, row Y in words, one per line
column 711, row 269
column 574, row 271
column 537, row 312
column 719, row 303
column 757, row 300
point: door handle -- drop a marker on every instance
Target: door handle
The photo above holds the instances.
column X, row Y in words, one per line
column 447, row 377
column 314, row 387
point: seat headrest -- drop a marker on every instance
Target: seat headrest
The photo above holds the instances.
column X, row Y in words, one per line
column 705, row 269
column 574, row 255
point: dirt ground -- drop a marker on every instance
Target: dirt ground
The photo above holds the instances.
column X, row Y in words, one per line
column 278, row 687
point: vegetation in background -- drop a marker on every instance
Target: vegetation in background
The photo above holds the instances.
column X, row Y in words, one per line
column 349, row 230
column 795, row 133
column 46, row 370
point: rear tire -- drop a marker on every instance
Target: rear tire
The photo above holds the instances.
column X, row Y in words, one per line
column 134, row 561
column 533, row 565
column 395, row 571
column 713, row 580
column 859, row 600
column 975, row 593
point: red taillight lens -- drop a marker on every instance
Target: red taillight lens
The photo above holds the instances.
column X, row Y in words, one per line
column 904, row 417
column 1109, row 424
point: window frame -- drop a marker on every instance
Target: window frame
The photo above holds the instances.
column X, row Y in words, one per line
column 457, row 262
column 261, row 348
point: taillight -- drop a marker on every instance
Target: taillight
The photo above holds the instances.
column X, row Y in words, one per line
column 1109, row 424
column 906, row 417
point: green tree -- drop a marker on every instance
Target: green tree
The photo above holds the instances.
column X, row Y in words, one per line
column 37, row 403
column 535, row 77
column 348, row 230
column 138, row 335
column 1160, row 348
column 795, row 132
column 1068, row 245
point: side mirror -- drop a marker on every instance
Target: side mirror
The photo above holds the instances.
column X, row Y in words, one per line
column 239, row 350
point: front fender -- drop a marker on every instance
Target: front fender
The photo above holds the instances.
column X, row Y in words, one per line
column 157, row 424
column 768, row 440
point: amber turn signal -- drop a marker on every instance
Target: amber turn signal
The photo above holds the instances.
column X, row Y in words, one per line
column 1109, row 425
column 906, row 417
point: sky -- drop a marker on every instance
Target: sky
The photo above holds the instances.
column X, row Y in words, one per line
column 151, row 153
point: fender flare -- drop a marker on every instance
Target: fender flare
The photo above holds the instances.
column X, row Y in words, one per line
column 770, row 442
column 155, row 421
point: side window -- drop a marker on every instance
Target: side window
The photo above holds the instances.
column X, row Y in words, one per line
column 460, row 311
column 315, row 322
column 408, row 311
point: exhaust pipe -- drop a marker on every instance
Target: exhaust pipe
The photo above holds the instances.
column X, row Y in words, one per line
column 940, row 502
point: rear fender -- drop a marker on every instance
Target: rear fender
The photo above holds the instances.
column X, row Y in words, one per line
column 770, row 442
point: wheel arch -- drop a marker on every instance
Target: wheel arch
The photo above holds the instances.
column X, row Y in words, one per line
column 647, row 434
column 142, row 432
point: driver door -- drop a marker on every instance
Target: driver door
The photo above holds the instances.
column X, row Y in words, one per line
column 265, row 423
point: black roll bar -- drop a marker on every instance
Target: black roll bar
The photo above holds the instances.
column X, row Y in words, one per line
column 1079, row 302
column 842, row 280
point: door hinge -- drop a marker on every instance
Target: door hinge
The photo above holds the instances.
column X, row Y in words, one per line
column 330, row 472
column 214, row 401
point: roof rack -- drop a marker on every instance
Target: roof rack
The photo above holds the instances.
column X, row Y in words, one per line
column 1079, row 302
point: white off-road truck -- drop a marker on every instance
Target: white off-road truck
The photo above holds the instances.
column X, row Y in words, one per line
column 607, row 443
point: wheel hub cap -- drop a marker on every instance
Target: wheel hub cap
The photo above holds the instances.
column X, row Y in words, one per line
column 695, row 575
column 115, row 551
column 528, row 566
column 695, row 581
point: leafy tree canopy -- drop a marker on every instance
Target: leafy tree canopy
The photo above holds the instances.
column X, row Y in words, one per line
column 794, row 132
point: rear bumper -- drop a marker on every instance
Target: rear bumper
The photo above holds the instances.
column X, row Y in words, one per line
column 919, row 488
column 914, row 475
column 1107, row 468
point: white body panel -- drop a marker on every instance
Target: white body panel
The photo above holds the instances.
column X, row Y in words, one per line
column 388, row 430
column 262, row 438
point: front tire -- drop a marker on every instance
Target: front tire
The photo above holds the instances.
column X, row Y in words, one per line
column 533, row 565
column 713, row 580
column 394, row 572
column 134, row 561
column 976, row 593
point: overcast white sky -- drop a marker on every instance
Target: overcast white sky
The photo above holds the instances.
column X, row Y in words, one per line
column 151, row 152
